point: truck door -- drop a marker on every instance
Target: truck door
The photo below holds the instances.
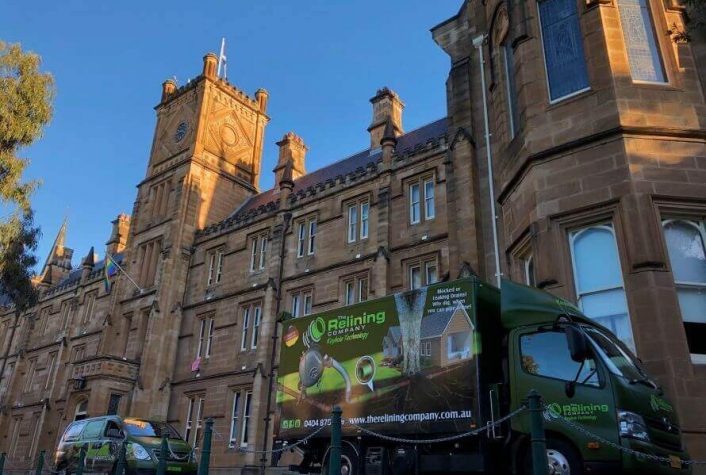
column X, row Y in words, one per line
column 542, row 362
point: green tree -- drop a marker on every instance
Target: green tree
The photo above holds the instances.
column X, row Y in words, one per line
column 25, row 108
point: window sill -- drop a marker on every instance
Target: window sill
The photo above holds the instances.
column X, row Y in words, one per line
column 573, row 97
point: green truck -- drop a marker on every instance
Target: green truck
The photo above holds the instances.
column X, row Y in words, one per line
column 446, row 359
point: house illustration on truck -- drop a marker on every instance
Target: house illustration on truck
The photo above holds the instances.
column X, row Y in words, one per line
column 445, row 338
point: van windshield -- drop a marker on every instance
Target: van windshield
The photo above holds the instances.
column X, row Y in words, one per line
column 618, row 360
column 139, row 428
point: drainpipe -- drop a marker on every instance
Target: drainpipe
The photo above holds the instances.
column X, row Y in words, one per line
column 478, row 44
column 275, row 337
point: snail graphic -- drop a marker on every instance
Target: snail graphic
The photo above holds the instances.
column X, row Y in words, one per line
column 313, row 362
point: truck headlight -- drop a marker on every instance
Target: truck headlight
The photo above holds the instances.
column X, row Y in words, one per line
column 138, row 452
column 632, row 425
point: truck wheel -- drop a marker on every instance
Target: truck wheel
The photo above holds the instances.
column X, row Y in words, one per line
column 349, row 461
column 562, row 457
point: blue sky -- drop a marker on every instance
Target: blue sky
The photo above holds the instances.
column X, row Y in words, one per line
column 320, row 60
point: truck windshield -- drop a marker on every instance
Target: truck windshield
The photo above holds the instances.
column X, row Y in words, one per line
column 139, row 428
column 618, row 360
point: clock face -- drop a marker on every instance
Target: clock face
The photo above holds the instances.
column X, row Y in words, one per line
column 181, row 130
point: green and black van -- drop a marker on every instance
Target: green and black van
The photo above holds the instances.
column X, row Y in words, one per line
column 102, row 438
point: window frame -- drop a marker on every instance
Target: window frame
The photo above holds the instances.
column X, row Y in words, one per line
column 573, row 234
column 544, row 60
column 662, row 66
column 245, row 327
column 245, row 439
column 700, row 225
column 298, row 300
column 257, row 320
column 352, row 291
column 422, row 264
column 234, row 418
column 422, row 204
column 510, row 87
column 358, row 220
column 258, row 251
column 597, row 361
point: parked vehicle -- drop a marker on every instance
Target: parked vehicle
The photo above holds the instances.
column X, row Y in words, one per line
column 451, row 357
column 103, row 436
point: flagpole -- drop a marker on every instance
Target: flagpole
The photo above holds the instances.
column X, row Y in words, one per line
column 126, row 274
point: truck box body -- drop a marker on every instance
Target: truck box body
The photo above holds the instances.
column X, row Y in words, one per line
column 404, row 364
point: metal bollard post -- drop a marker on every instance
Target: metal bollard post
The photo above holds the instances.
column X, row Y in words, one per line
column 81, row 460
column 163, row 451
column 206, row 450
column 334, row 460
column 540, row 464
column 2, row 461
column 120, row 464
column 40, row 463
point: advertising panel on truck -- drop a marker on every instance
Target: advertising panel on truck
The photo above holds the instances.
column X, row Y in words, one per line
column 407, row 361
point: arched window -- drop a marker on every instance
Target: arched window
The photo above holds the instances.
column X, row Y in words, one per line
column 511, row 89
column 599, row 280
column 640, row 41
column 564, row 58
column 686, row 245
column 81, row 410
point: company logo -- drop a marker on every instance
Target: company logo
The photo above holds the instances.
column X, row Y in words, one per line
column 658, row 404
column 317, row 328
column 343, row 322
column 576, row 411
column 291, row 337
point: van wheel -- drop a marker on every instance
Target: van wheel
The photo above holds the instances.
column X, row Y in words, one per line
column 562, row 457
column 349, row 461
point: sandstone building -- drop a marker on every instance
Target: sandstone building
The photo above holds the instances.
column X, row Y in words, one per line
column 596, row 141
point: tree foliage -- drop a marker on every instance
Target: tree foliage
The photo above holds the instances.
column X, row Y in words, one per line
column 26, row 96
column 696, row 16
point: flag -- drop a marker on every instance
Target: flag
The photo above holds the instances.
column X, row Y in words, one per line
column 110, row 268
column 222, row 60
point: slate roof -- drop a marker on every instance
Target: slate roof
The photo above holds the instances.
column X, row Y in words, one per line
column 75, row 274
column 406, row 144
column 435, row 324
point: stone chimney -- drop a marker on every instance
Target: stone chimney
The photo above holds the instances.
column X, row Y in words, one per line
column 387, row 105
column 291, row 149
column 210, row 65
column 168, row 88
column 118, row 236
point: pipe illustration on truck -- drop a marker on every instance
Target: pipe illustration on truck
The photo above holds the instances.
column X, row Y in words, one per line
column 451, row 357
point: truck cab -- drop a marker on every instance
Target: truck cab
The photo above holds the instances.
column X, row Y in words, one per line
column 588, row 377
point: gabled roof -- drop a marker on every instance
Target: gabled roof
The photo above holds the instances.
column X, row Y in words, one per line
column 406, row 144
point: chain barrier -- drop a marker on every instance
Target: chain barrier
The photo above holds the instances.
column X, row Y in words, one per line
column 177, row 457
column 551, row 414
column 286, row 447
column 473, row 432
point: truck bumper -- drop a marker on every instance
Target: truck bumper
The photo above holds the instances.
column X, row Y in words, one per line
column 634, row 464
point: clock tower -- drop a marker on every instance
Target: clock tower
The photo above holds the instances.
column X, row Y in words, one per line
column 204, row 163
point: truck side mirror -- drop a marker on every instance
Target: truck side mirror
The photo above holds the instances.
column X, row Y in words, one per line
column 578, row 345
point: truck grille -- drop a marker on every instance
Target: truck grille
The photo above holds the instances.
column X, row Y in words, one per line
column 181, row 456
column 664, row 433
